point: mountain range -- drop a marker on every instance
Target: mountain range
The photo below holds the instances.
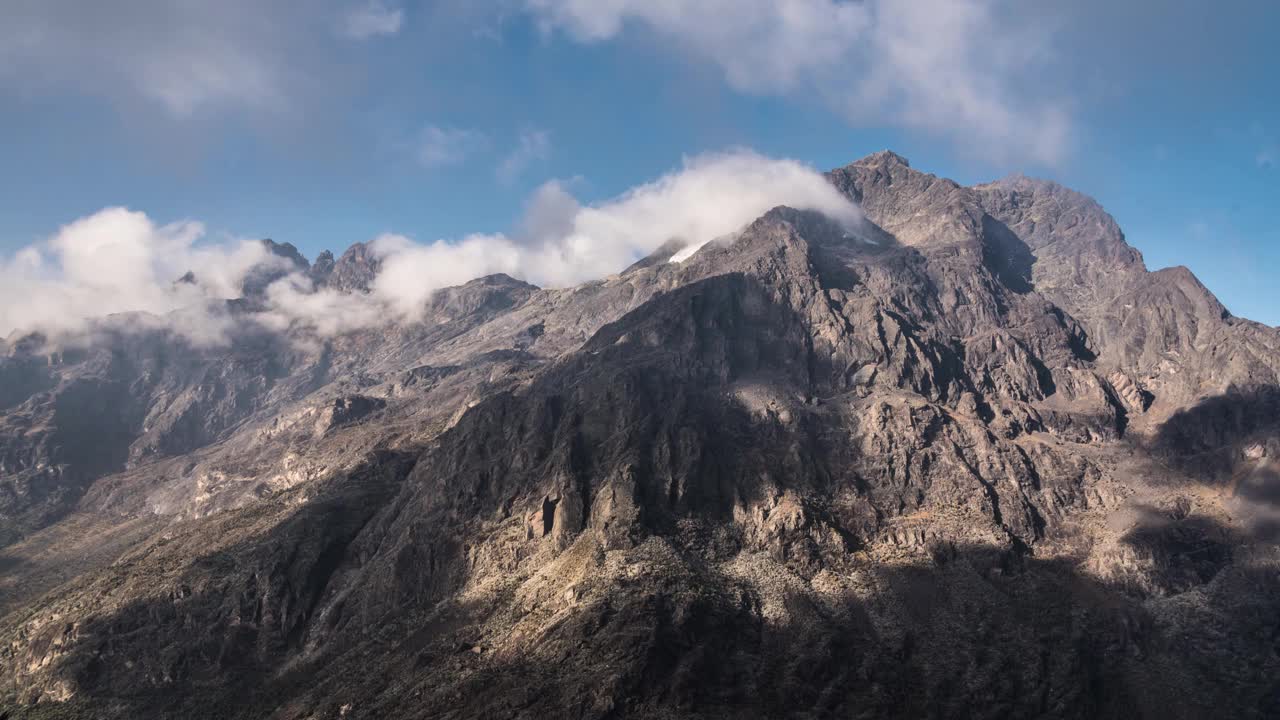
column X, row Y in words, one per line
column 970, row 458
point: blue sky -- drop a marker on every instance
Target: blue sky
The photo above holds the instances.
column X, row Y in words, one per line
column 335, row 123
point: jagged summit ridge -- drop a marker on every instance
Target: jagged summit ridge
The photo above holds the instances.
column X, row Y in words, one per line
column 957, row 471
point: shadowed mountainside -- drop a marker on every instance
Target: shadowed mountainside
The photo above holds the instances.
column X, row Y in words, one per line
column 970, row 459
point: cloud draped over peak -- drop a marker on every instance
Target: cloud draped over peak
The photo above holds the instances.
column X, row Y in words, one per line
column 969, row 70
column 711, row 196
column 561, row 242
column 119, row 260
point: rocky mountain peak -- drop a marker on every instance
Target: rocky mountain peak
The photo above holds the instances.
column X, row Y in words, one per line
column 665, row 252
column 288, row 253
column 284, row 259
column 969, row 460
column 322, row 268
column 488, row 294
column 881, row 158
column 354, row 271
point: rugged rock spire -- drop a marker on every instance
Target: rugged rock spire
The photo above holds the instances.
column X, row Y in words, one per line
column 355, row 270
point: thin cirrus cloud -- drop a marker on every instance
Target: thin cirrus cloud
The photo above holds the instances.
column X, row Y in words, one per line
column 1268, row 148
column 439, row 147
column 445, row 147
column 533, row 146
column 184, row 57
column 372, row 19
column 972, row 71
column 120, row 261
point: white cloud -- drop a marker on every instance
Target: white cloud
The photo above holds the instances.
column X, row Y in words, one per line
column 412, row 272
column 444, row 147
column 561, row 242
column 372, row 19
column 118, row 261
column 765, row 45
column 711, row 196
column 186, row 57
column 534, row 146
column 294, row 303
column 966, row 69
column 975, row 71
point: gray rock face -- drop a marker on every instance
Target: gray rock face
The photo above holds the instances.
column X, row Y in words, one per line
column 353, row 272
column 323, row 267
column 973, row 460
column 285, row 259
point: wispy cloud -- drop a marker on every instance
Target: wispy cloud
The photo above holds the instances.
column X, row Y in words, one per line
column 973, row 71
column 533, row 146
column 966, row 69
column 185, row 57
column 372, row 19
column 443, row 147
column 1268, row 149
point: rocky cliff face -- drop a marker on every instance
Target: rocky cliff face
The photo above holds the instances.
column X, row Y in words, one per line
column 970, row 459
column 353, row 272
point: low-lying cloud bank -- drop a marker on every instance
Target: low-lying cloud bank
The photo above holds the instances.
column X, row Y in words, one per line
column 118, row 260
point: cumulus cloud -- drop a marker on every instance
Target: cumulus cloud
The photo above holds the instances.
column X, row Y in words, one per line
column 562, row 242
column 711, row 196
column 533, row 146
column 971, row 70
column 372, row 19
column 444, row 147
column 121, row 261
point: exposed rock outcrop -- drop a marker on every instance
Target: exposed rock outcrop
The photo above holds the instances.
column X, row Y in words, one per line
column 971, row 460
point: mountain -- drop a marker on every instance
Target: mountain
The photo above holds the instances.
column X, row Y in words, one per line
column 971, row 459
